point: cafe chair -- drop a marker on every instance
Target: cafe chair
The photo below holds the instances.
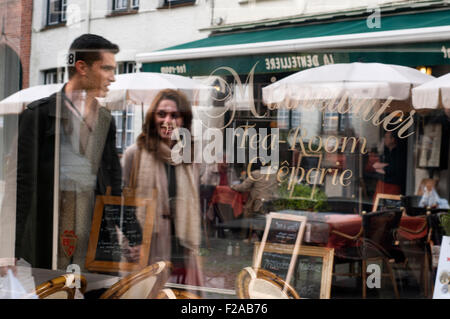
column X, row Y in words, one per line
column 376, row 240
column 62, row 287
column 144, row 284
column 259, row 283
column 411, row 205
column 414, row 244
column 169, row 293
column 418, row 243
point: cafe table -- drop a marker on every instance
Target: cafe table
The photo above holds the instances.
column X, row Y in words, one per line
column 223, row 194
column 411, row 228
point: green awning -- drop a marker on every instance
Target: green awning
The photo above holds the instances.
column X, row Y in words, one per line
column 388, row 23
column 408, row 39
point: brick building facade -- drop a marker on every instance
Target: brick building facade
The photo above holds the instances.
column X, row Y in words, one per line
column 15, row 45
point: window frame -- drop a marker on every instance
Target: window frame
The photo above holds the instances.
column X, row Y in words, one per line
column 131, row 5
column 59, row 14
column 123, row 67
column 55, row 74
column 172, row 3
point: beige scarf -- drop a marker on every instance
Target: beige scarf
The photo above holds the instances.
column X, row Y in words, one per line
column 152, row 174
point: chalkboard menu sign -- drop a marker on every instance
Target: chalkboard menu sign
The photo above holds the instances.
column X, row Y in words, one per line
column 283, row 229
column 313, row 268
column 386, row 201
column 118, row 222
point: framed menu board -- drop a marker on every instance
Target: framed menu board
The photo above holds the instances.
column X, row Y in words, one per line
column 117, row 218
column 313, row 269
column 387, row 201
column 283, row 229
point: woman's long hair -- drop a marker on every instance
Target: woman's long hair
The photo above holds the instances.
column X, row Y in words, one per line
column 149, row 137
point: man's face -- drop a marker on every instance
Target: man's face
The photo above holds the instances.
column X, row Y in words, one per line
column 100, row 74
column 389, row 140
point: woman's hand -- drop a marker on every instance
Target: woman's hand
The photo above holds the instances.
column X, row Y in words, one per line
column 133, row 253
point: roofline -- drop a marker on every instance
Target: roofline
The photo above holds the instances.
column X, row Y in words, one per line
column 360, row 12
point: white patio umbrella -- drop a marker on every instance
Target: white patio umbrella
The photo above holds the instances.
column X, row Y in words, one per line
column 433, row 94
column 141, row 88
column 358, row 80
column 17, row 102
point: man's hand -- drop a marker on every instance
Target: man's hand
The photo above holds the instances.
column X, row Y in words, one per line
column 379, row 167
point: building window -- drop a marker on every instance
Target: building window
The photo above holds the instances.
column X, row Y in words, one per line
column 125, row 5
column 53, row 76
column 56, row 11
column 126, row 67
column 127, row 126
column 171, row 3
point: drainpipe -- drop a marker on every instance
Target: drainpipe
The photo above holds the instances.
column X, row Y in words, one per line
column 88, row 4
column 212, row 12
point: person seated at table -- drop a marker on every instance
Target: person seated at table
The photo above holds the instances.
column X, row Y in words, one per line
column 429, row 195
column 262, row 185
column 212, row 175
column 218, row 174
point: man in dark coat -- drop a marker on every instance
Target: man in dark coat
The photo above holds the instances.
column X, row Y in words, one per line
column 87, row 158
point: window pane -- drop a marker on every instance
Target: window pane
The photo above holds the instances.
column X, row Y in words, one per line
column 50, row 76
column 296, row 118
column 283, row 118
column 118, row 140
column 130, row 139
column 63, row 10
column 53, row 12
column 130, row 67
column 129, row 123
column 120, row 4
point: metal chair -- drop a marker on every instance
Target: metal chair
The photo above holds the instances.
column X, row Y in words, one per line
column 421, row 247
column 375, row 240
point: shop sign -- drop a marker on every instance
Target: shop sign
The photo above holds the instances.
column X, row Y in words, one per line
column 273, row 63
column 295, row 62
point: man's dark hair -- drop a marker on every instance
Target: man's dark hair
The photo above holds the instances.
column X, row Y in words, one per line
column 88, row 47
